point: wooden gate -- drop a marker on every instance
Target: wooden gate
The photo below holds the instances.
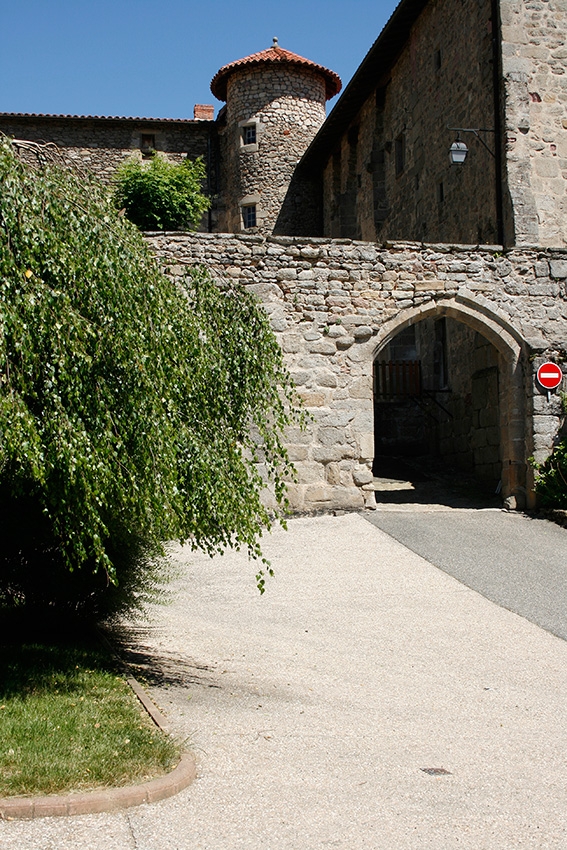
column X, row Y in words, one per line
column 397, row 378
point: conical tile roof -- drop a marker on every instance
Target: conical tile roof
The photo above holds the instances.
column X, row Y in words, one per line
column 274, row 55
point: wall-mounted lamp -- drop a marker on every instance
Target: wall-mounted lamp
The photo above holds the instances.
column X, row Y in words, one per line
column 458, row 150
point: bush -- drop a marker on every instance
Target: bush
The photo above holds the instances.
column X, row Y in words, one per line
column 132, row 409
column 551, row 478
column 162, row 195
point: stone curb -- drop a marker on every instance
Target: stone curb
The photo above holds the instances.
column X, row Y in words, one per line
column 103, row 800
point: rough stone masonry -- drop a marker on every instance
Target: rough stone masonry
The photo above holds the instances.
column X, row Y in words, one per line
column 334, row 304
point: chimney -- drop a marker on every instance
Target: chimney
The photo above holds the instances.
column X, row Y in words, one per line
column 203, row 112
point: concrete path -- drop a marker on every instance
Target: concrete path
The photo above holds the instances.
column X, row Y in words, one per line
column 367, row 700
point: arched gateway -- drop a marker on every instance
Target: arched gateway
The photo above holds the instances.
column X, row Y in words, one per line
column 477, row 322
column 449, row 380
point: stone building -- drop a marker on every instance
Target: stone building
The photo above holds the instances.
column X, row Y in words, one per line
column 413, row 298
column 275, row 104
column 487, row 73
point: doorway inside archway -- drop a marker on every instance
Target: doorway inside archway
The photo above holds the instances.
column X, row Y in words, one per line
column 437, row 417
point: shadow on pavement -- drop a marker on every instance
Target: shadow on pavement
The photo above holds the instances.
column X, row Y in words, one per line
column 156, row 668
column 421, row 482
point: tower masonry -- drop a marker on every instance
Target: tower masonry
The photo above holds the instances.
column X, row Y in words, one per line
column 275, row 104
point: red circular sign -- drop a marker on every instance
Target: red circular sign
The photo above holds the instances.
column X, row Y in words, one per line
column 549, row 375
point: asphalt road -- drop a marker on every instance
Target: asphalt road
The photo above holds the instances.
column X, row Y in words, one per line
column 514, row 560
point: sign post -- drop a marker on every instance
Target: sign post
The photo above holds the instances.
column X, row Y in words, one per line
column 549, row 376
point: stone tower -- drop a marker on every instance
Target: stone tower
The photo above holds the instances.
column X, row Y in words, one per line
column 275, row 104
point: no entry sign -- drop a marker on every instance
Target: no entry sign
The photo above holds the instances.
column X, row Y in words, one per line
column 549, row 375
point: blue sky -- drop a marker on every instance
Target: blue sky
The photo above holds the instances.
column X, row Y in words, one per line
column 156, row 58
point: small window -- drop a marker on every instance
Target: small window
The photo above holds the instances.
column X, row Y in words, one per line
column 437, row 60
column 249, row 215
column 353, row 137
column 440, row 372
column 400, row 153
column 440, row 192
column 148, row 144
column 249, row 135
column 337, row 171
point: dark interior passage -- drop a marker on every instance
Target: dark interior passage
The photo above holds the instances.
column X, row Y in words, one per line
column 436, row 403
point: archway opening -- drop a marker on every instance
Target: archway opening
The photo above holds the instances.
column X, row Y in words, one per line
column 438, row 385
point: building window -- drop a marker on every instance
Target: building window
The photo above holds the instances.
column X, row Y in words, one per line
column 337, row 172
column 249, row 135
column 353, row 137
column 440, row 192
column 148, row 144
column 440, row 372
column 437, row 60
column 249, row 215
column 400, row 153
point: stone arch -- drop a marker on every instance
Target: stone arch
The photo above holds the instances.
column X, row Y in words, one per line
column 493, row 325
column 486, row 319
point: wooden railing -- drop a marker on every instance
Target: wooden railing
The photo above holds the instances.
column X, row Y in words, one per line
column 401, row 378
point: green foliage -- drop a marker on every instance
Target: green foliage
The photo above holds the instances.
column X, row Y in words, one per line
column 162, row 195
column 551, row 478
column 132, row 409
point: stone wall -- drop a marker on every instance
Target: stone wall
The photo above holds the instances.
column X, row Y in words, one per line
column 102, row 144
column 534, row 65
column 390, row 176
column 334, row 304
column 286, row 105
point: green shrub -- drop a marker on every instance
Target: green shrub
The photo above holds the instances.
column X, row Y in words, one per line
column 132, row 409
column 162, row 195
column 551, row 478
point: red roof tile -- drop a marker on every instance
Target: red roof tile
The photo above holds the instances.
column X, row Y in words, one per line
column 274, row 55
column 55, row 116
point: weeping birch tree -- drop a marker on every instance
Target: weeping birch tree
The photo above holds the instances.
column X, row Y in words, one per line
column 133, row 409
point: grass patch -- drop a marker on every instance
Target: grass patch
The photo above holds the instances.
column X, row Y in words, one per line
column 69, row 722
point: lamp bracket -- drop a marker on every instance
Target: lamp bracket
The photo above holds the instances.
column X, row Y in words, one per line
column 475, row 131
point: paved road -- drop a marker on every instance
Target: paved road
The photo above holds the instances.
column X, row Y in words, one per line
column 514, row 560
column 316, row 710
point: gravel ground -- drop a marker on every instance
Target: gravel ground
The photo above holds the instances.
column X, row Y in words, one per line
column 316, row 710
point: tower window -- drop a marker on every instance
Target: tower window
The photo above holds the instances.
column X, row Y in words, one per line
column 249, row 215
column 249, row 135
column 148, row 144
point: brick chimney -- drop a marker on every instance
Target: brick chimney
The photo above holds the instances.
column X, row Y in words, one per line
column 203, row 112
